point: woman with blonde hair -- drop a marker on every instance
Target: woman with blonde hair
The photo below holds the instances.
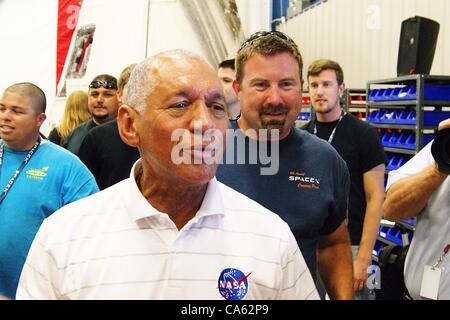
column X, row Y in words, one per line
column 75, row 113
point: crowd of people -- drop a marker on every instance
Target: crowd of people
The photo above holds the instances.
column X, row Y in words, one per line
column 115, row 205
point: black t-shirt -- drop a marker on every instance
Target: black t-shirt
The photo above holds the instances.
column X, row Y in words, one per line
column 106, row 155
column 54, row 137
column 359, row 145
column 309, row 191
column 76, row 137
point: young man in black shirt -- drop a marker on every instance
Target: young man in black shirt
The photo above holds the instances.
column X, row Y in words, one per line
column 359, row 145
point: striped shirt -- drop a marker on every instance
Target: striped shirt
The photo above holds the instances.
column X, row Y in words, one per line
column 115, row 245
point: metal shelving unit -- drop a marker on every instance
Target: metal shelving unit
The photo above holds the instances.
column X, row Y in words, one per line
column 419, row 104
column 420, row 81
column 306, row 108
column 354, row 102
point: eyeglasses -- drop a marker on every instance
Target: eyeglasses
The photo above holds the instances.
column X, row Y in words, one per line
column 260, row 34
column 105, row 84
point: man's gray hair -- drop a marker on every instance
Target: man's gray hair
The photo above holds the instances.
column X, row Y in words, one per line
column 141, row 83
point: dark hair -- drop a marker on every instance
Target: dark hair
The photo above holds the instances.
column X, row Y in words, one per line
column 229, row 63
column 318, row 66
column 32, row 92
column 267, row 44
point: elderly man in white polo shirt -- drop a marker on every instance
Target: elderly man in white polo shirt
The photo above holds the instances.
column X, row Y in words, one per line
column 170, row 231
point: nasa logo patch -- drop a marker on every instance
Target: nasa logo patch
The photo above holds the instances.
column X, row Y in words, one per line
column 233, row 284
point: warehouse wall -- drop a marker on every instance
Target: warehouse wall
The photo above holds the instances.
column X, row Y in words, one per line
column 363, row 35
column 28, row 43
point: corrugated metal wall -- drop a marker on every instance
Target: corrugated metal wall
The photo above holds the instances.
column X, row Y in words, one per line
column 363, row 35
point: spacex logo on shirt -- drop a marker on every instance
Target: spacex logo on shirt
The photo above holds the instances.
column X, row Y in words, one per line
column 303, row 181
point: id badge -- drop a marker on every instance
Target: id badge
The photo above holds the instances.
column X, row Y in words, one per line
column 430, row 282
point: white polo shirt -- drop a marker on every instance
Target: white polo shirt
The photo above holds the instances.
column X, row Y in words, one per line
column 432, row 232
column 115, row 245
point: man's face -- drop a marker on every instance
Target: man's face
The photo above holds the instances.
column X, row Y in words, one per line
column 103, row 104
column 188, row 95
column 19, row 123
column 325, row 91
column 270, row 93
column 227, row 76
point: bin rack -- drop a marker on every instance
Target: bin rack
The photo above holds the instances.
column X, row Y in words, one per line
column 354, row 102
column 399, row 103
column 306, row 112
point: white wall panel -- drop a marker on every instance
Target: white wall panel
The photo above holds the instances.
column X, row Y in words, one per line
column 28, row 44
column 255, row 15
column 363, row 35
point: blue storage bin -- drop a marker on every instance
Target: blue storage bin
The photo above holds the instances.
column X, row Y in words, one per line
column 430, row 118
column 395, row 162
column 402, row 117
column 373, row 116
column 389, row 117
column 410, row 222
column 379, row 95
column 410, row 235
column 305, row 116
column 411, row 118
column 404, row 141
column 427, row 138
column 395, row 235
column 382, row 232
column 409, row 142
column 392, row 143
column 377, row 248
column 390, row 162
column 385, row 138
column 387, row 94
column 431, row 92
column 437, row 92
column 372, row 95
column 407, row 93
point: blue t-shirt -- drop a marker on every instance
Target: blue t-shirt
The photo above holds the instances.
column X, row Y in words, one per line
column 309, row 192
column 52, row 178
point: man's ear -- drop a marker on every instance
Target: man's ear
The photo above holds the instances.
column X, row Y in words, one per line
column 127, row 124
column 236, row 87
column 41, row 118
column 341, row 89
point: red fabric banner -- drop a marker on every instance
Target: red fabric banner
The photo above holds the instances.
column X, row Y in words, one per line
column 68, row 12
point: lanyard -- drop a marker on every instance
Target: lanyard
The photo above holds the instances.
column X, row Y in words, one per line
column 444, row 253
column 330, row 139
column 19, row 170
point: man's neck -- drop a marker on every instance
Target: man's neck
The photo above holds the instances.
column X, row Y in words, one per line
column 21, row 146
column 331, row 116
column 178, row 200
column 101, row 121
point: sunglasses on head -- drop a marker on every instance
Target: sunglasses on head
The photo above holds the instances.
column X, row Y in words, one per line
column 105, row 84
column 260, row 34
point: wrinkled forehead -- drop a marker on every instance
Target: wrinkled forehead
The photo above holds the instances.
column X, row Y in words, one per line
column 170, row 72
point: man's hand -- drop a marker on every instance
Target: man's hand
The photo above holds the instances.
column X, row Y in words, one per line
column 360, row 274
column 444, row 124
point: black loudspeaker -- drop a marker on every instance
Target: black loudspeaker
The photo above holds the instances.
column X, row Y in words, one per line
column 418, row 39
